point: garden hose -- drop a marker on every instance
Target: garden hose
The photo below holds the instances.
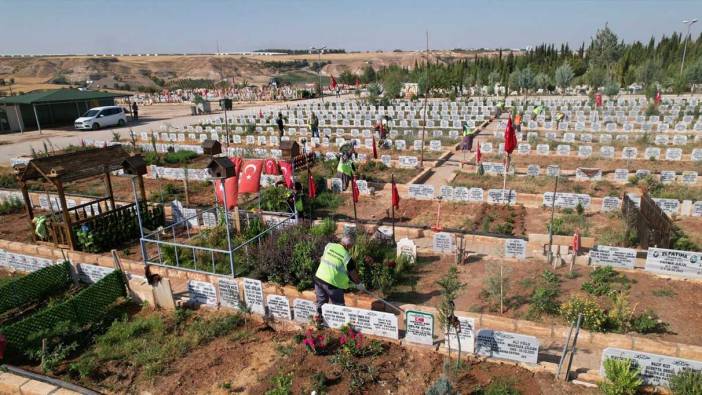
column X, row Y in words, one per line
column 382, row 300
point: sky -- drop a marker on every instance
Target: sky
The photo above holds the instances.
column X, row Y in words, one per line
column 178, row 26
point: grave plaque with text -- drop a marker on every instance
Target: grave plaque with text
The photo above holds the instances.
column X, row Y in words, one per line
column 507, row 345
column 655, row 369
column 202, row 292
column 229, row 293
column 278, row 307
column 613, row 256
column 253, row 296
column 686, row 264
column 419, row 327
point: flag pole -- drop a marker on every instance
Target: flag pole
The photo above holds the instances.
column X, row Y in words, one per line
column 392, row 208
column 504, row 179
column 355, row 217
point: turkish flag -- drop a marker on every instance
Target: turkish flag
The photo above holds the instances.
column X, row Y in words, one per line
column 510, row 137
column 236, row 161
column 232, row 190
column 598, row 100
column 260, row 114
column 375, row 150
column 311, row 187
column 270, row 167
column 250, row 176
column 332, row 84
column 354, row 190
column 576, row 243
column 395, row 195
column 658, row 97
column 286, row 169
column 478, row 155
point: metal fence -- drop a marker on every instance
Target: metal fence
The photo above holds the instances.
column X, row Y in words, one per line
column 184, row 246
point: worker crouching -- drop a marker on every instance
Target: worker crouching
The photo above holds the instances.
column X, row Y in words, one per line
column 336, row 269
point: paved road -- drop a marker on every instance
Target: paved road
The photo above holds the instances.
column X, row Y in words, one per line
column 176, row 115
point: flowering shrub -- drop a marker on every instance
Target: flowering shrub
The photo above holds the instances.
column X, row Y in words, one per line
column 316, row 344
column 354, row 343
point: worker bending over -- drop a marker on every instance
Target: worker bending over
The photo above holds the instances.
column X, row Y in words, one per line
column 336, row 268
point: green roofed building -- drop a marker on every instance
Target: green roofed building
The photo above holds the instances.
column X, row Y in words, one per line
column 50, row 108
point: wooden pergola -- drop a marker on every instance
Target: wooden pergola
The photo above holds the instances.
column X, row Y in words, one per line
column 79, row 165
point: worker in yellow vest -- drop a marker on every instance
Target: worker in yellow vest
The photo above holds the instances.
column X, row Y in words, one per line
column 345, row 169
column 336, row 268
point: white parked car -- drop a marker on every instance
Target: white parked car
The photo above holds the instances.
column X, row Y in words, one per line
column 98, row 117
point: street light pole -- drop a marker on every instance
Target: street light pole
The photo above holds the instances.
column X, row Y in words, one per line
column 319, row 69
column 688, row 23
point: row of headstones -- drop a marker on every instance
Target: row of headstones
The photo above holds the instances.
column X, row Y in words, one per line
column 87, row 273
column 610, row 125
column 606, row 152
column 619, row 175
column 419, row 325
column 571, row 137
column 667, row 262
column 274, row 138
column 502, row 196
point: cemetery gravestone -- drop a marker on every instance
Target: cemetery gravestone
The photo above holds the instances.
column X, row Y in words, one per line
column 515, row 248
column 278, row 307
column 507, row 345
column 442, row 243
column 229, row 293
column 304, row 310
column 419, row 327
column 613, row 256
column 202, row 292
column 253, row 296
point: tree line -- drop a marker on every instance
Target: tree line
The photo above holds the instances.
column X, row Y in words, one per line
column 606, row 63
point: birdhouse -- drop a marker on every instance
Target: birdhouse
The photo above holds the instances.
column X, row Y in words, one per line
column 221, row 168
column 134, row 166
column 211, row 147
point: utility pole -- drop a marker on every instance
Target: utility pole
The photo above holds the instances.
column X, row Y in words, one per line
column 426, row 97
column 688, row 23
column 319, row 69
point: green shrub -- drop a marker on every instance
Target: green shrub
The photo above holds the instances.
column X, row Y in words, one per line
column 545, row 295
column 326, row 228
column 35, row 286
column 179, row 156
column 648, row 322
column 11, row 206
column 499, row 387
column 282, row 384
column 605, row 281
column 275, row 199
column 594, row 318
column 621, row 377
column 8, row 180
column 686, row 382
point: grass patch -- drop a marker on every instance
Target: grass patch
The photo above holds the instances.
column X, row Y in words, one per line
column 150, row 343
column 664, row 293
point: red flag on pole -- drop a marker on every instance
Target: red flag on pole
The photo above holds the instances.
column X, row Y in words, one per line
column 231, row 189
column 332, row 84
column 311, row 187
column 576, row 243
column 286, row 169
column 598, row 100
column 250, row 176
column 260, row 114
column 658, row 97
column 270, row 167
column 478, row 155
column 395, row 195
column 510, row 137
column 375, row 150
column 354, row 190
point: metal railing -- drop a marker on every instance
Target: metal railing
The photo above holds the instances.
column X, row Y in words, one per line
column 182, row 245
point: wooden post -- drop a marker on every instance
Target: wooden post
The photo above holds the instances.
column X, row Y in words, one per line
column 66, row 217
column 28, row 206
column 142, row 190
column 108, row 186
